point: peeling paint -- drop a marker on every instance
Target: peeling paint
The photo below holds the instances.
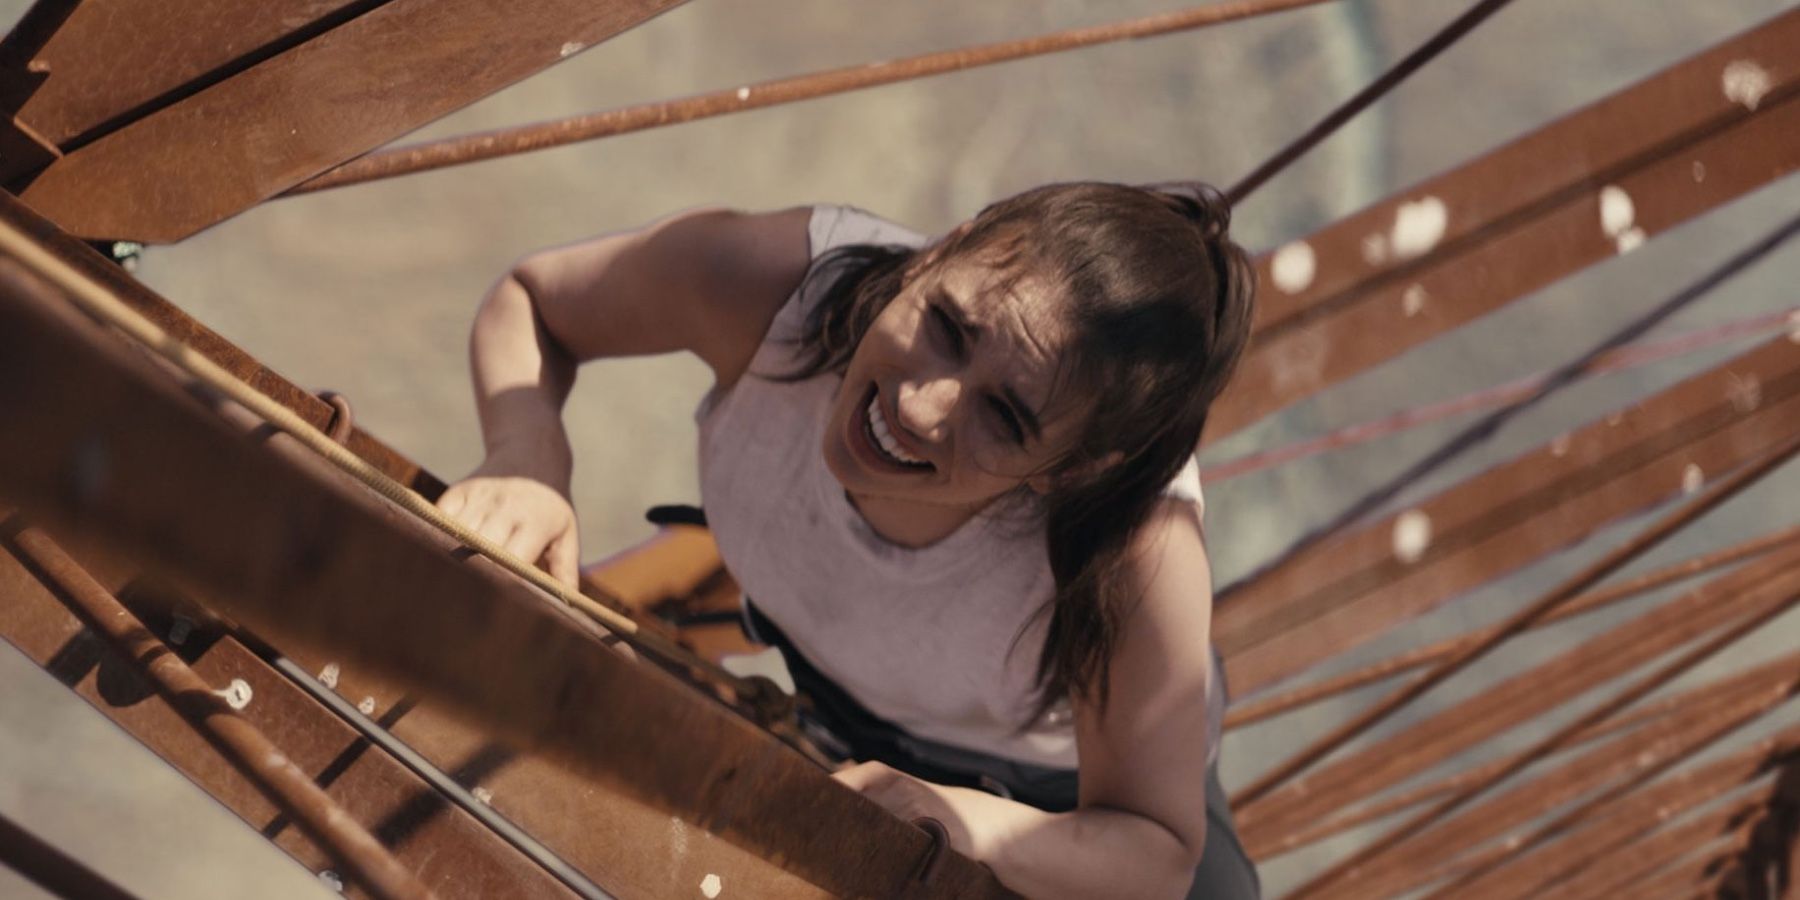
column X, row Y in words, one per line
column 711, row 886
column 1293, row 267
column 1412, row 535
column 1745, row 83
column 237, row 694
column 1375, row 249
column 1412, row 301
column 1744, row 392
column 485, row 796
column 1617, row 212
column 1692, row 479
column 1418, row 226
column 366, row 706
column 743, row 93
column 332, row 880
column 1631, row 240
column 328, row 676
column 1699, row 170
column 570, row 49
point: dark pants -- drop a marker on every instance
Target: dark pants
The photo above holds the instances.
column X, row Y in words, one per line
column 843, row 727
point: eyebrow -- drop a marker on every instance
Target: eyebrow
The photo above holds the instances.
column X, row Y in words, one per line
column 1020, row 408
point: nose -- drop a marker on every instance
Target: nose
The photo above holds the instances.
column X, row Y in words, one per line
column 926, row 406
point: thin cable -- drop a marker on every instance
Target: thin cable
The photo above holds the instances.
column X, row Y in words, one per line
column 1487, row 427
column 97, row 302
column 1376, row 89
column 521, row 840
column 425, row 157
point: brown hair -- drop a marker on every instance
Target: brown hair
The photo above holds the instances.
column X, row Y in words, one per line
column 1159, row 301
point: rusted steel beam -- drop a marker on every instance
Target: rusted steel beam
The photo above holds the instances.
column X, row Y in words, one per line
column 1748, row 693
column 1601, row 878
column 1523, row 697
column 425, row 157
column 1693, row 876
column 1766, row 864
column 1521, row 621
column 43, row 864
column 211, row 345
column 111, row 59
column 1258, row 710
column 1547, row 852
column 361, row 855
column 448, row 849
column 35, row 27
column 1773, row 598
column 1520, row 217
column 367, row 81
column 121, row 453
column 1618, row 844
column 1341, row 592
column 1635, row 355
column 1729, row 773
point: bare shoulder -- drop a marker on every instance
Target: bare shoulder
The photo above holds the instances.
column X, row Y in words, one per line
column 1146, row 751
column 709, row 281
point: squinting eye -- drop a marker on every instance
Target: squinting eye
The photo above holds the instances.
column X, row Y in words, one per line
column 1008, row 420
column 947, row 328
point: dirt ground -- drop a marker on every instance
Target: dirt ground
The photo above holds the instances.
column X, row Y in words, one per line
column 370, row 290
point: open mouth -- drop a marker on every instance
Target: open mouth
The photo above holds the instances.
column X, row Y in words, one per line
column 881, row 438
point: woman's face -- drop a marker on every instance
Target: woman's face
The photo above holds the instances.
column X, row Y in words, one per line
column 944, row 402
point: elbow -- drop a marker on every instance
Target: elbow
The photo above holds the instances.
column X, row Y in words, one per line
column 1170, row 861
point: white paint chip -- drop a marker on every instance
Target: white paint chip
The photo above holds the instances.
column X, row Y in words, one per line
column 711, row 886
column 1631, row 240
column 1744, row 83
column 332, row 880
column 1617, row 212
column 485, row 796
column 744, row 93
column 1692, row 479
column 237, row 694
column 1293, row 267
column 1375, row 249
column 1412, row 300
column 1418, row 226
column 328, row 676
column 1699, row 170
column 1412, row 535
column 1744, row 392
column 367, row 706
column 570, row 49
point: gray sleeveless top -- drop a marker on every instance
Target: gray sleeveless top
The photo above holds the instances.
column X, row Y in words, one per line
column 924, row 638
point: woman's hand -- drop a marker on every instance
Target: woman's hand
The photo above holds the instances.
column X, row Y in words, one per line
column 529, row 518
column 976, row 822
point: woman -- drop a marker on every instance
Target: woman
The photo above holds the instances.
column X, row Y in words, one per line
column 956, row 482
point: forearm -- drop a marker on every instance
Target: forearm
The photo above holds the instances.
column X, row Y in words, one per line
column 1088, row 853
column 522, row 378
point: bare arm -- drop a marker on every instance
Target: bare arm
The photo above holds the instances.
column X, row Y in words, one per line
column 1141, row 824
column 708, row 282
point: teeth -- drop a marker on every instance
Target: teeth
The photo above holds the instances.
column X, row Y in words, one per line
column 885, row 439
